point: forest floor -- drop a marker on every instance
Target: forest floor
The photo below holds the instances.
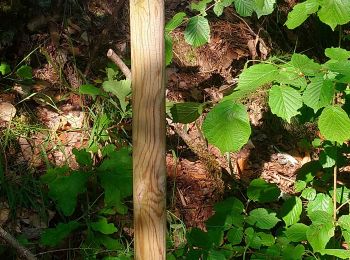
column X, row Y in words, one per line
column 68, row 49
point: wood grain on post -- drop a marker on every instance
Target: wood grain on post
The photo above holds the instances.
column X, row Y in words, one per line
column 148, row 132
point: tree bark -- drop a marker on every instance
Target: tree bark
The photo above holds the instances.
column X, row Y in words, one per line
column 148, row 86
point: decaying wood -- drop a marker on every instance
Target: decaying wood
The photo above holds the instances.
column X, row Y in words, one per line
column 119, row 62
column 24, row 252
column 148, row 131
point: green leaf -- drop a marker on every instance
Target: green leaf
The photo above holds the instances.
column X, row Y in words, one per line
column 25, row 72
column 175, row 22
column 322, row 202
column 215, row 255
column 229, row 205
column 334, row 12
column 291, row 210
column 341, row 67
column 299, row 185
column 65, row 190
column 103, row 226
column 220, row 5
column 235, row 236
column 301, row 12
column 319, row 93
column 91, row 90
column 266, row 239
column 334, row 124
column 264, row 7
column 186, row 112
column 109, row 243
column 53, row 236
column 120, row 88
column 227, row 126
column 284, row 102
column 305, row 65
column 328, row 156
column 262, row 218
column 200, row 6
column 340, row 253
column 168, row 49
column 82, row 157
column 261, row 191
column 252, row 239
column 320, row 231
column 290, row 252
column 115, row 174
column 344, row 222
column 4, row 68
column 288, row 75
column 244, row 7
column 296, row 232
column 343, row 194
column 197, row 237
column 256, row 76
column 197, row 31
column 309, row 194
column 337, row 53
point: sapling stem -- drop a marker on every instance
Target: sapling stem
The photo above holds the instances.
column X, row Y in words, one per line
column 335, row 169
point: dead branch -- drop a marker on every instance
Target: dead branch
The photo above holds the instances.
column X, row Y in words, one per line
column 118, row 61
column 9, row 239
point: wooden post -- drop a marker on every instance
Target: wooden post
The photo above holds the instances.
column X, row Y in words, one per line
column 148, row 132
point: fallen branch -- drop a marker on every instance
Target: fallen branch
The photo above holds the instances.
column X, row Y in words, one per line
column 118, row 61
column 9, row 239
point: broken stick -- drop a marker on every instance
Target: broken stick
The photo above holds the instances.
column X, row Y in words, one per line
column 9, row 239
column 118, row 61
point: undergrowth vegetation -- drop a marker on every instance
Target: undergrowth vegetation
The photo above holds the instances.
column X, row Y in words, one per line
column 93, row 200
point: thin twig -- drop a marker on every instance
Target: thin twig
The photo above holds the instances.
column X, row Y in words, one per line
column 9, row 239
column 118, row 61
column 335, row 170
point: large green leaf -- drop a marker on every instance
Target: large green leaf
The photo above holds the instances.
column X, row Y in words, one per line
column 309, row 193
column 334, row 124
column 261, row 191
column 262, row 218
column 91, row 90
column 186, row 112
column 235, row 236
column 319, row 93
column 301, row 12
column 252, row 239
column 227, row 126
column 175, row 22
column 296, row 232
column 54, row 236
column 245, row 7
column 337, row 53
column 322, row 202
column 334, row 12
column 103, row 226
column 284, row 102
column 120, row 88
column 305, row 65
column 197, row 31
column 320, row 231
column 64, row 189
column 264, row 7
column 289, row 75
column 340, row 66
column 291, row 210
column 342, row 193
column 340, row 253
column 256, row 76
column 328, row 156
column 115, row 175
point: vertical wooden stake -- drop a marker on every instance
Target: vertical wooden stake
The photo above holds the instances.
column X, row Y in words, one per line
column 148, row 132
